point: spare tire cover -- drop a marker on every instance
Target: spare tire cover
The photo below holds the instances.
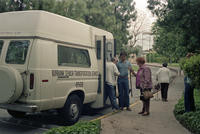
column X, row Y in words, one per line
column 11, row 84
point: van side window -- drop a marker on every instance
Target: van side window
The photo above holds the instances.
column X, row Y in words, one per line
column 17, row 52
column 1, row 46
column 98, row 47
column 73, row 57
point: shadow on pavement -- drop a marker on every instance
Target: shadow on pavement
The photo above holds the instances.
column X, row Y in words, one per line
column 48, row 119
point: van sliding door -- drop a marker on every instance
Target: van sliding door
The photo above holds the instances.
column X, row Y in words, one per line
column 100, row 42
column 110, row 52
column 105, row 50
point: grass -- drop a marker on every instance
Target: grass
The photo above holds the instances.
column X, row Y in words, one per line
column 171, row 64
column 135, row 68
column 174, row 64
column 81, row 127
column 190, row 120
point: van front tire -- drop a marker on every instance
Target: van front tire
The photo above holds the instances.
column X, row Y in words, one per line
column 16, row 114
column 72, row 109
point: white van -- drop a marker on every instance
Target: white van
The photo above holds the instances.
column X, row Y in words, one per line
column 51, row 62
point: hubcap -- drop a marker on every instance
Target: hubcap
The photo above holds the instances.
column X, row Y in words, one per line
column 74, row 111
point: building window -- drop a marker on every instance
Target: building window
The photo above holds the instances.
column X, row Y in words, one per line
column 17, row 52
column 73, row 57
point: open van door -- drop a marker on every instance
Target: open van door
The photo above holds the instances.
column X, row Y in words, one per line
column 110, row 52
column 105, row 50
column 110, row 49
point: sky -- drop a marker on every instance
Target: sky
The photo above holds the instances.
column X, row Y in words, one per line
column 141, row 6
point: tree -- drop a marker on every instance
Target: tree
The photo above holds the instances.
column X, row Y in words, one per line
column 125, row 13
column 74, row 9
column 137, row 28
column 177, row 27
column 114, row 16
column 132, row 50
column 18, row 5
column 3, row 6
column 167, row 44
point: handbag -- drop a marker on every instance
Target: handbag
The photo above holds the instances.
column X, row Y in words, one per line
column 147, row 94
column 157, row 86
column 142, row 97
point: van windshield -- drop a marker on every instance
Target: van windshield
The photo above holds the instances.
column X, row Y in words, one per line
column 17, row 52
column 1, row 46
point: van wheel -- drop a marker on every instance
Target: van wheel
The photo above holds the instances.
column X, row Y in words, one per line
column 72, row 110
column 16, row 114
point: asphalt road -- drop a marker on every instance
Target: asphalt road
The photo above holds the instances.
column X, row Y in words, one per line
column 38, row 123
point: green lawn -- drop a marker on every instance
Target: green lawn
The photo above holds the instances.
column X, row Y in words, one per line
column 135, row 68
column 174, row 64
column 169, row 64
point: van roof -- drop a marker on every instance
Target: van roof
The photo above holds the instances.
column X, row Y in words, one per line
column 36, row 23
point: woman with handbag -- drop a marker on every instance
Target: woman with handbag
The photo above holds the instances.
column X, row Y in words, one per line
column 144, row 83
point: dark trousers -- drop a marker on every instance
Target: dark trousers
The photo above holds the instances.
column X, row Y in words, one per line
column 146, row 106
column 110, row 92
column 189, row 97
column 164, row 90
column 123, row 88
column 146, row 103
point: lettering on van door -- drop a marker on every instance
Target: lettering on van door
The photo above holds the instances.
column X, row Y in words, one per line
column 62, row 74
column 79, row 84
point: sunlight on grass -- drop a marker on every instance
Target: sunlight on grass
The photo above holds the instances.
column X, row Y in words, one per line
column 174, row 64
column 135, row 68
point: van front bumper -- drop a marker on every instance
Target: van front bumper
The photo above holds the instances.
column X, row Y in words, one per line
column 20, row 107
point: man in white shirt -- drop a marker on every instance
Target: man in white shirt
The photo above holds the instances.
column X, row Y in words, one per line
column 111, row 73
column 163, row 77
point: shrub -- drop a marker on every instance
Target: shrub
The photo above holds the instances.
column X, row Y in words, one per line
column 154, row 57
column 79, row 128
column 179, row 108
column 190, row 120
column 191, row 68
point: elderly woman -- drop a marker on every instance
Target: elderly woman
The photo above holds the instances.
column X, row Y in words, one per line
column 144, row 83
column 163, row 77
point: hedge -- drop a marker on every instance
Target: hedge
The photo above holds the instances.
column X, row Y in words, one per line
column 79, row 128
column 190, row 120
column 191, row 68
column 154, row 57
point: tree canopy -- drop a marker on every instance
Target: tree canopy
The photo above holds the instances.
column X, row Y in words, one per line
column 111, row 15
column 177, row 27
